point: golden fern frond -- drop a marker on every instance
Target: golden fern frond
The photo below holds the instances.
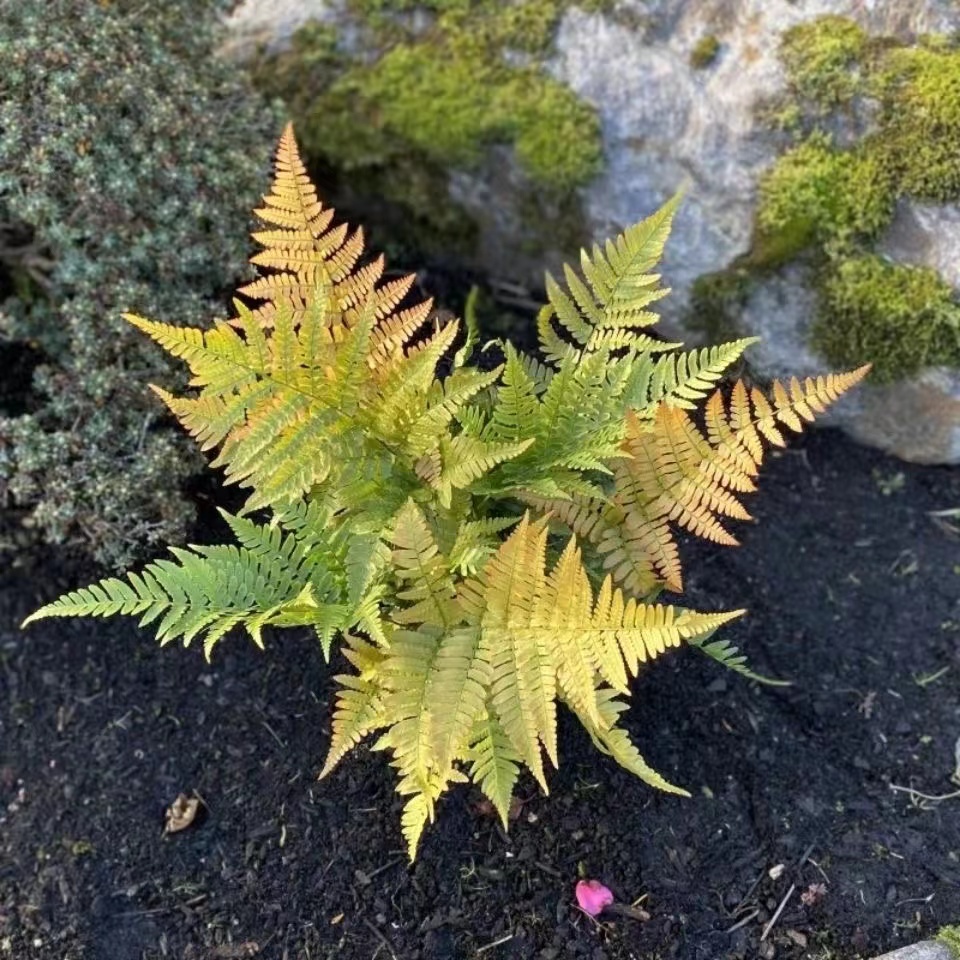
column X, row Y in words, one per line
column 405, row 675
column 306, row 253
column 544, row 634
column 523, row 671
column 630, row 553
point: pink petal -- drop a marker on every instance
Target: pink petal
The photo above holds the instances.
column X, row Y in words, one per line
column 593, row 896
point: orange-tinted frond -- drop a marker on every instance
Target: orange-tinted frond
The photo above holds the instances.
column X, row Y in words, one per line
column 305, row 259
column 674, row 473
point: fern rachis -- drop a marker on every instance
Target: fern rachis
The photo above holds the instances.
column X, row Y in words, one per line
column 486, row 545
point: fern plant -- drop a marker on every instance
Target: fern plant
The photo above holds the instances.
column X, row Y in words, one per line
column 485, row 544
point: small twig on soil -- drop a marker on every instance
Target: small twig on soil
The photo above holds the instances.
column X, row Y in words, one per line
column 386, row 866
column 776, row 916
column 743, row 922
column 916, row 795
column 926, row 899
column 383, row 940
column 496, row 943
column 273, row 733
column 622, row 910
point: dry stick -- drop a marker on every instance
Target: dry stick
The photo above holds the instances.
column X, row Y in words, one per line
column 915, row 794
column 743, row 922
column 776, row 916
column 496, row 943
column 383, row 940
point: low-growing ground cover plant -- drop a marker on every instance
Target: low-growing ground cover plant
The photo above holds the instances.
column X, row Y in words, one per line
column 125, row 141
column 485, row 543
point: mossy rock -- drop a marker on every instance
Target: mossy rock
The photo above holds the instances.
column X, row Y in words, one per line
column 394, row 125
column 830, row 202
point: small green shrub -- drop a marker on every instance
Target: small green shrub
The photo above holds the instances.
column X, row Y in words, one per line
column 124, row 146
column 485, row 543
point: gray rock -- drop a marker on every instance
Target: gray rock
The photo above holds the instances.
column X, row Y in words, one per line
column 926, row 235
column 272, row 23
column 925, row 950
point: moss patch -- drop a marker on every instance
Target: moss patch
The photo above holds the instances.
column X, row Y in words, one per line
column 818, row 195
column 920, row 133
column 705, row 51
column 901, row 319
column 830, row 202
column 950, row 937
column 823, row 59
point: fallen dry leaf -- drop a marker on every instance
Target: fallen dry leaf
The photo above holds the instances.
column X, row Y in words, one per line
column 181, row 813
column 486, row 809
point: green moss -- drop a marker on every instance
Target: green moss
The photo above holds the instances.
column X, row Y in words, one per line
column 950, row 937
column 705, row 51
column 816, row 194
column 822, row 58
column 919, row 138
column 898, row 318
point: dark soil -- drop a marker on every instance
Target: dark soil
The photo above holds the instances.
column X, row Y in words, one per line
column 854, row 595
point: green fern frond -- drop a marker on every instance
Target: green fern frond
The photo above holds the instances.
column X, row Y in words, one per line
column 476, row 541
column 616, row 742
column 615, row 292
column 208, row 590
column 428, row 587
column 494, row 765
column 680, row 379
column 727, row 654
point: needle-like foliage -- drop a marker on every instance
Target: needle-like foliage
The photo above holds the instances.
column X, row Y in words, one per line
column 486, row 544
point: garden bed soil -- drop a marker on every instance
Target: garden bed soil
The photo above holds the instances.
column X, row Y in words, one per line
column 854, row 595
